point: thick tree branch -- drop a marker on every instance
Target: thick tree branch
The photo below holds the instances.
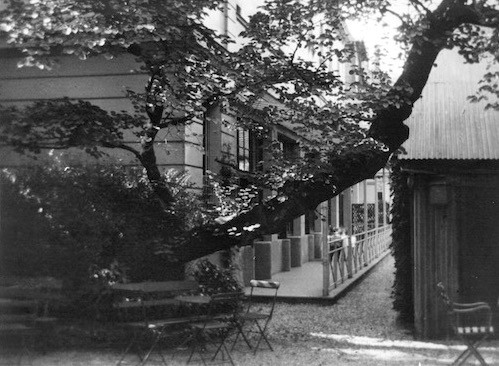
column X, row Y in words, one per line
column 301, row 196
column 487, row 16
column 174, row 121
column 388, row 126
column 354, row 165
column 121, row 146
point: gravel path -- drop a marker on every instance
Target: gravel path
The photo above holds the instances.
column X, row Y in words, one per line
column 365, row 311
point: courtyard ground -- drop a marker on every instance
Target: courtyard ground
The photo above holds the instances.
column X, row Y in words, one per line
column 360, row 329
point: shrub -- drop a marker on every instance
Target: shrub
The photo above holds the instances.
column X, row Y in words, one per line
column 213, row 279
column 90, row 224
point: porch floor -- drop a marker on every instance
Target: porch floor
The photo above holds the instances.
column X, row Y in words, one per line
column 304, row 283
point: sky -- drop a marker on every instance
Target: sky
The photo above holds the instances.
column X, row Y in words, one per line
column 373, row 34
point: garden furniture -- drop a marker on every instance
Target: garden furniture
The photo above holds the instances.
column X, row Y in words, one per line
column 214, row 329
column 24, row 316
column 254, row 319
column 150, row 309
column 471, row 322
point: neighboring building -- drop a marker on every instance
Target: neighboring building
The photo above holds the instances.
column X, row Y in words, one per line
column 195, row 148
column 452, row 163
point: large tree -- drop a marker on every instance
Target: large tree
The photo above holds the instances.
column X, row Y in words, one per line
column 190, row 71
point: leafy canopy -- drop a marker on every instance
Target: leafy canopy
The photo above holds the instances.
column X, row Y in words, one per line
column 284, row 72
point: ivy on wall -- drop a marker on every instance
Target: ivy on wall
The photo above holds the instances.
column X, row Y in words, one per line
column 401, row 243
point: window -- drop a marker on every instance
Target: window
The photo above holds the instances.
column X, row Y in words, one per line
column 240, row 17
column 206, row 147
column 310, row 222
column 290, row 148
column 243, row 150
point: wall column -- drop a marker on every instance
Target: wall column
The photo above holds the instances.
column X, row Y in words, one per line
column 383, row 201
column 366, row 210
column 263, row 249
column 347, row 210
column 335, row 212
column 299, row 242
column 320, row 226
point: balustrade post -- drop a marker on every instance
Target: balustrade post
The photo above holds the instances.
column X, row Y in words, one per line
column 325, row 262
column 349, row 257
column 347, row 210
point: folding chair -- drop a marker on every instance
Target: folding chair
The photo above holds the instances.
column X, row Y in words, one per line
column 257, row 318
column 471, row 322
column 223, row 310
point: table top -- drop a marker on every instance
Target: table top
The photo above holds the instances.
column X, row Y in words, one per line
column 193, row 299
column 155, row 286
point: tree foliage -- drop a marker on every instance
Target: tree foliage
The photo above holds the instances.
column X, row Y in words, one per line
column 349, row 129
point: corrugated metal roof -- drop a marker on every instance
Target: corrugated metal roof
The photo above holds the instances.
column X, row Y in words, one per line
column 444, row 124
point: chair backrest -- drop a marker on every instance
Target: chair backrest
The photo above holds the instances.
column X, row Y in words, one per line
column 467, row 319
column 268, row 285
column 265, row 284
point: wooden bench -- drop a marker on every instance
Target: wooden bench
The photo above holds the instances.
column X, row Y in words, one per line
column 24, row 314
column 150, row 308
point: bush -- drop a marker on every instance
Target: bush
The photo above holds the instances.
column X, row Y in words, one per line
column 90, row 224
column 213, row 279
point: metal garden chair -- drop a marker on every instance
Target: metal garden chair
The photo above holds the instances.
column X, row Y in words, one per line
column 471, row 322
column 257, row 320
column 223, row 310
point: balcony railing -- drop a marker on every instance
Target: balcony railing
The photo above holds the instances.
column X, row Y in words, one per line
column 344, row 257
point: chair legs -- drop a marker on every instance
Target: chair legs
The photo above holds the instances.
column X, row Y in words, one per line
column 241, row 332
column 22, row 353
column 157, row 338
column 261, row 335
column 222, row 348
column 472, row 349
column 131, row 344
column 199, row 346
column 142, row 355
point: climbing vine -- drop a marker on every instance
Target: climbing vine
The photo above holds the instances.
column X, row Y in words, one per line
column 401, row 243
